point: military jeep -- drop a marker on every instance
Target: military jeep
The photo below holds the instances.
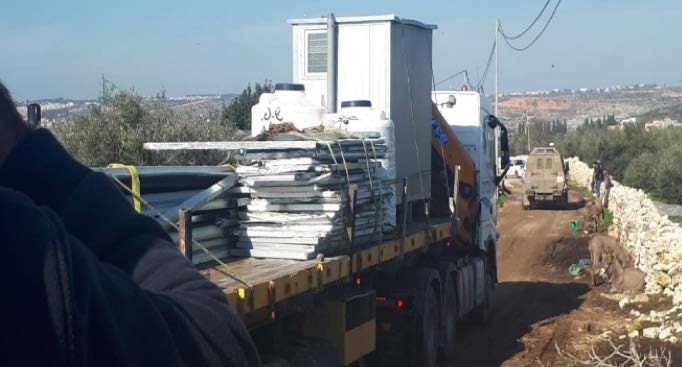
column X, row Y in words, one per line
column 545, row 178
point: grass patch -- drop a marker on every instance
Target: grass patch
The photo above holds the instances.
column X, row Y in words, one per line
column 608, row 217
column 584, row 191
column 502, row 200
column 676, row 219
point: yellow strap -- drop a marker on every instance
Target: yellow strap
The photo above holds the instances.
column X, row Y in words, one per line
column 135, row 183
column 227, row 165
column 228, row 271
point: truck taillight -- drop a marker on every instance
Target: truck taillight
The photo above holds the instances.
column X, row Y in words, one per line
column 396, row 304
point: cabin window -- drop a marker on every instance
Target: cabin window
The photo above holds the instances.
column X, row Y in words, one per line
column 316, row 52
column 538, row 164
column 548, row 165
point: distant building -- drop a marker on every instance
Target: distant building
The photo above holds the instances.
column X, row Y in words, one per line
column 630, row 120
column 659, row 124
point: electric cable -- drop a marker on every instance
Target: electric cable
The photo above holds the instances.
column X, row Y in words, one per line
column 536, row 37
column 527, row 28
column 465, row 72
column 487, row 66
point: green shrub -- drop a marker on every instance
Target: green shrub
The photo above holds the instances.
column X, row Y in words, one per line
column 115, row 131
column 668, row 174
column 502, row 200
column 676, row 219
column 608, row 218
column 640, row 173
column 584, row 191
column 239, row 110
column 645, row 159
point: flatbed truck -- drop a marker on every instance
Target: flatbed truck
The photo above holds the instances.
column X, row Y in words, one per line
column 397, row 300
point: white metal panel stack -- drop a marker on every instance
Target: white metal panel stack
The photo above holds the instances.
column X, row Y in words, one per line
column 301, row 193
column 210, row 194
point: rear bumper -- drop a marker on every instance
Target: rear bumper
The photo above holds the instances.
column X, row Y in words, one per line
column 546, row 196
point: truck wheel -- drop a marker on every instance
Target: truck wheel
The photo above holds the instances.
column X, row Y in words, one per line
column 426, row 326
column 481, row 313
column 427, row 342
column 450, row 316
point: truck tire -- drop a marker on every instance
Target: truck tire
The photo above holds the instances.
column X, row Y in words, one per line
column 426, row 319
column 481, row 313
column 450, row 315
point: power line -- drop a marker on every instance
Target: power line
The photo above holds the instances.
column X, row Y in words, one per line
column 487, row 66
column 465, row 72
column 536, row 37
column 527, row 28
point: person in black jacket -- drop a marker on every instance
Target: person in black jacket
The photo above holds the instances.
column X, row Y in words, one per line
column 87, row 281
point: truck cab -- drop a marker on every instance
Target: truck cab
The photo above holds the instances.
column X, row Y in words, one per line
column 468, row 114
column 545, row 180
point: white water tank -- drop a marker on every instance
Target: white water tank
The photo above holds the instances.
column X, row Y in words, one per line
column 359, row 117
column 287, row 104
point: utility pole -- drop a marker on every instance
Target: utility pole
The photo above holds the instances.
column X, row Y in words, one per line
column 497, row 131
column 528, row 132
column 497, row 32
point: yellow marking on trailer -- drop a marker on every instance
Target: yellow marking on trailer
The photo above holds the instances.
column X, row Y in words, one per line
column 250, row 302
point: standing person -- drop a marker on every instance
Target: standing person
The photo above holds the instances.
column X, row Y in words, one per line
column 608, row 184
column 87, row 281
column 597, row 177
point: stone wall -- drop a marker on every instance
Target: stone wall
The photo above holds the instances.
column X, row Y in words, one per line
column 652, row 239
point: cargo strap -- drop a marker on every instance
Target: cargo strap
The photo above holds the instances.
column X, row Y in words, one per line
column 134, row 183
column 225, row 268
column 380, row 212
column 328, row 142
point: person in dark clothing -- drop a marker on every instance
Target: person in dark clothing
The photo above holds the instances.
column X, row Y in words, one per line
column 597, row 177
column 88, row 281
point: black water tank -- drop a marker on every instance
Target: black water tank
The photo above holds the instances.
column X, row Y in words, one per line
column 358, row 103
column 290, row 86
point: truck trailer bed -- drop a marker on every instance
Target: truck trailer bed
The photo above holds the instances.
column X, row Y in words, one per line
column 254, row 286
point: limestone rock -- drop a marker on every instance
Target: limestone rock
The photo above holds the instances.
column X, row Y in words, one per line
column 650, row 332
column 664, row 279
column 654, row 242
column 665, row 333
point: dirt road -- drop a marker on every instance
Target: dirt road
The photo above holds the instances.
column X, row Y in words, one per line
column 538, row 303
column 536, row 247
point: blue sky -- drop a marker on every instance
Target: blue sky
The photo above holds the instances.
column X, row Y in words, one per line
column 60, row 48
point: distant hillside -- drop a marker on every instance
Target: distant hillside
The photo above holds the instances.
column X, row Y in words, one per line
column 650, row 102
column 674, row 112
